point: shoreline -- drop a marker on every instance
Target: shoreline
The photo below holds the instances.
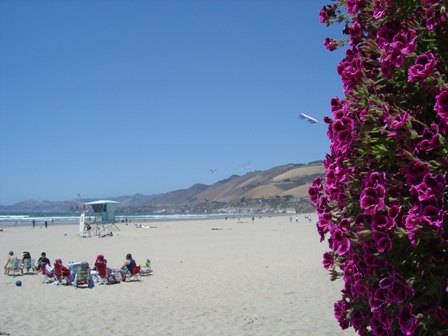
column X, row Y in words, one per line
column 40, row 223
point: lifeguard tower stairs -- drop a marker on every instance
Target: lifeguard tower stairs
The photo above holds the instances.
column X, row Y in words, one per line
column 101, row 221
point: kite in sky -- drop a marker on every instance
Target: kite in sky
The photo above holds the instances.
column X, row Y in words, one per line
column 78, row 195
column 245, row 166
column 308, row 118
column 214, row 171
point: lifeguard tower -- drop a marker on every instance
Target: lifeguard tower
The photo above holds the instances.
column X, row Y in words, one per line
column 101, row 221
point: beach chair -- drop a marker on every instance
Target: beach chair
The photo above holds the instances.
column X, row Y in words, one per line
column 135, row 275
column 82, row 275
column 14, row 267
column 58, row 275
column 147, row 270
column 29, row 265
column 103, row 274
column 45, row 276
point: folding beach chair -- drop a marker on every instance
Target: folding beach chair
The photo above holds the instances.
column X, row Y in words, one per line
column 29, row 265
column 147, row 270
column 82, row 275
column 135, row 275
column 59, row 276
column 14, row 267
column 45, row 275
column 102, row 274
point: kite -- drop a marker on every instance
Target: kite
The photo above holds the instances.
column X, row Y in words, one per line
column 244, row 166
column 78, row 195
column 308, row 118
column 214, row 171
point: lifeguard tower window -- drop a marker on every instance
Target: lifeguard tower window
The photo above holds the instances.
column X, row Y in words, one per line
column 99, row 207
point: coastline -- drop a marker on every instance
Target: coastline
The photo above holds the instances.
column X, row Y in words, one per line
column 143, row 219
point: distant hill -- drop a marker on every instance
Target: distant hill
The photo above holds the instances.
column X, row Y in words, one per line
column 271, row 186
column 288, row 180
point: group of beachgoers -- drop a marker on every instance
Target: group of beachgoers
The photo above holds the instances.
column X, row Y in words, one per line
column 14, row 264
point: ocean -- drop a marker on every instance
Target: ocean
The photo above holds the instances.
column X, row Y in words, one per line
column 56, row 218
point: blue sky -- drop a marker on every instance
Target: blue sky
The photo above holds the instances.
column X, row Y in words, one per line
column 109, row 98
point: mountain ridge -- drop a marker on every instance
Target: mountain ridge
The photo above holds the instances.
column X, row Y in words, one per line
column 274, row 185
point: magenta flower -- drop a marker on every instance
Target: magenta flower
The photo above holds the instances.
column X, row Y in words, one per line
column 430, row 141
column 441, row 315
column 405, row 41
column 381, row 322
column 343, row 130
column 380, row 9
column 315, row 190
column 324, row 224
column 378, row 299
column 332, row 44
column 396, row 58
column 382, row 222
column 386, row 68
column 353, row 6
column 340, row 242
column 387, row 32
column 340, row 312
column 383, row 242
column 441, row 106
column 355, row 32
column 351, row 70
column 375, row 178
column 387, row 282
column 372, row 199
column 408, row 321
column 327, row 13
column 423, row 68
column 323, row 15
column 435, row 19
column 429, row 2
column 328, row 261
column 415, row 172
column 394, row 214
column 433, row 215
column 357, row 320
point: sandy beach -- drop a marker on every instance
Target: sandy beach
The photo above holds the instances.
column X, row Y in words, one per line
column 210, row 277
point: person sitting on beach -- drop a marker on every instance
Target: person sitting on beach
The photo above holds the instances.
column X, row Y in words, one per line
column 26, row 260
column 65, row 271
column 43, row 260
column 100, row 259
column 10, row 259
column 128, row 266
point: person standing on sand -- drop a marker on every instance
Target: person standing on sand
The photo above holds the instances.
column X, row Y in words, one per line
column 297, row 219
column 34, row 223
column 11, row 257
column 290, row 219
column 89, row 231
column 46, row 224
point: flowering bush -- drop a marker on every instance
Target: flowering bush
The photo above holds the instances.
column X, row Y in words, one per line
column 383, row 203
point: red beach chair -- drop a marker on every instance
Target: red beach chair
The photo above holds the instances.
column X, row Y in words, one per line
column 103, row 277
column 135, row 275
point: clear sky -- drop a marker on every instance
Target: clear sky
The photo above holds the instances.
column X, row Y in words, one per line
column 109, row 98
